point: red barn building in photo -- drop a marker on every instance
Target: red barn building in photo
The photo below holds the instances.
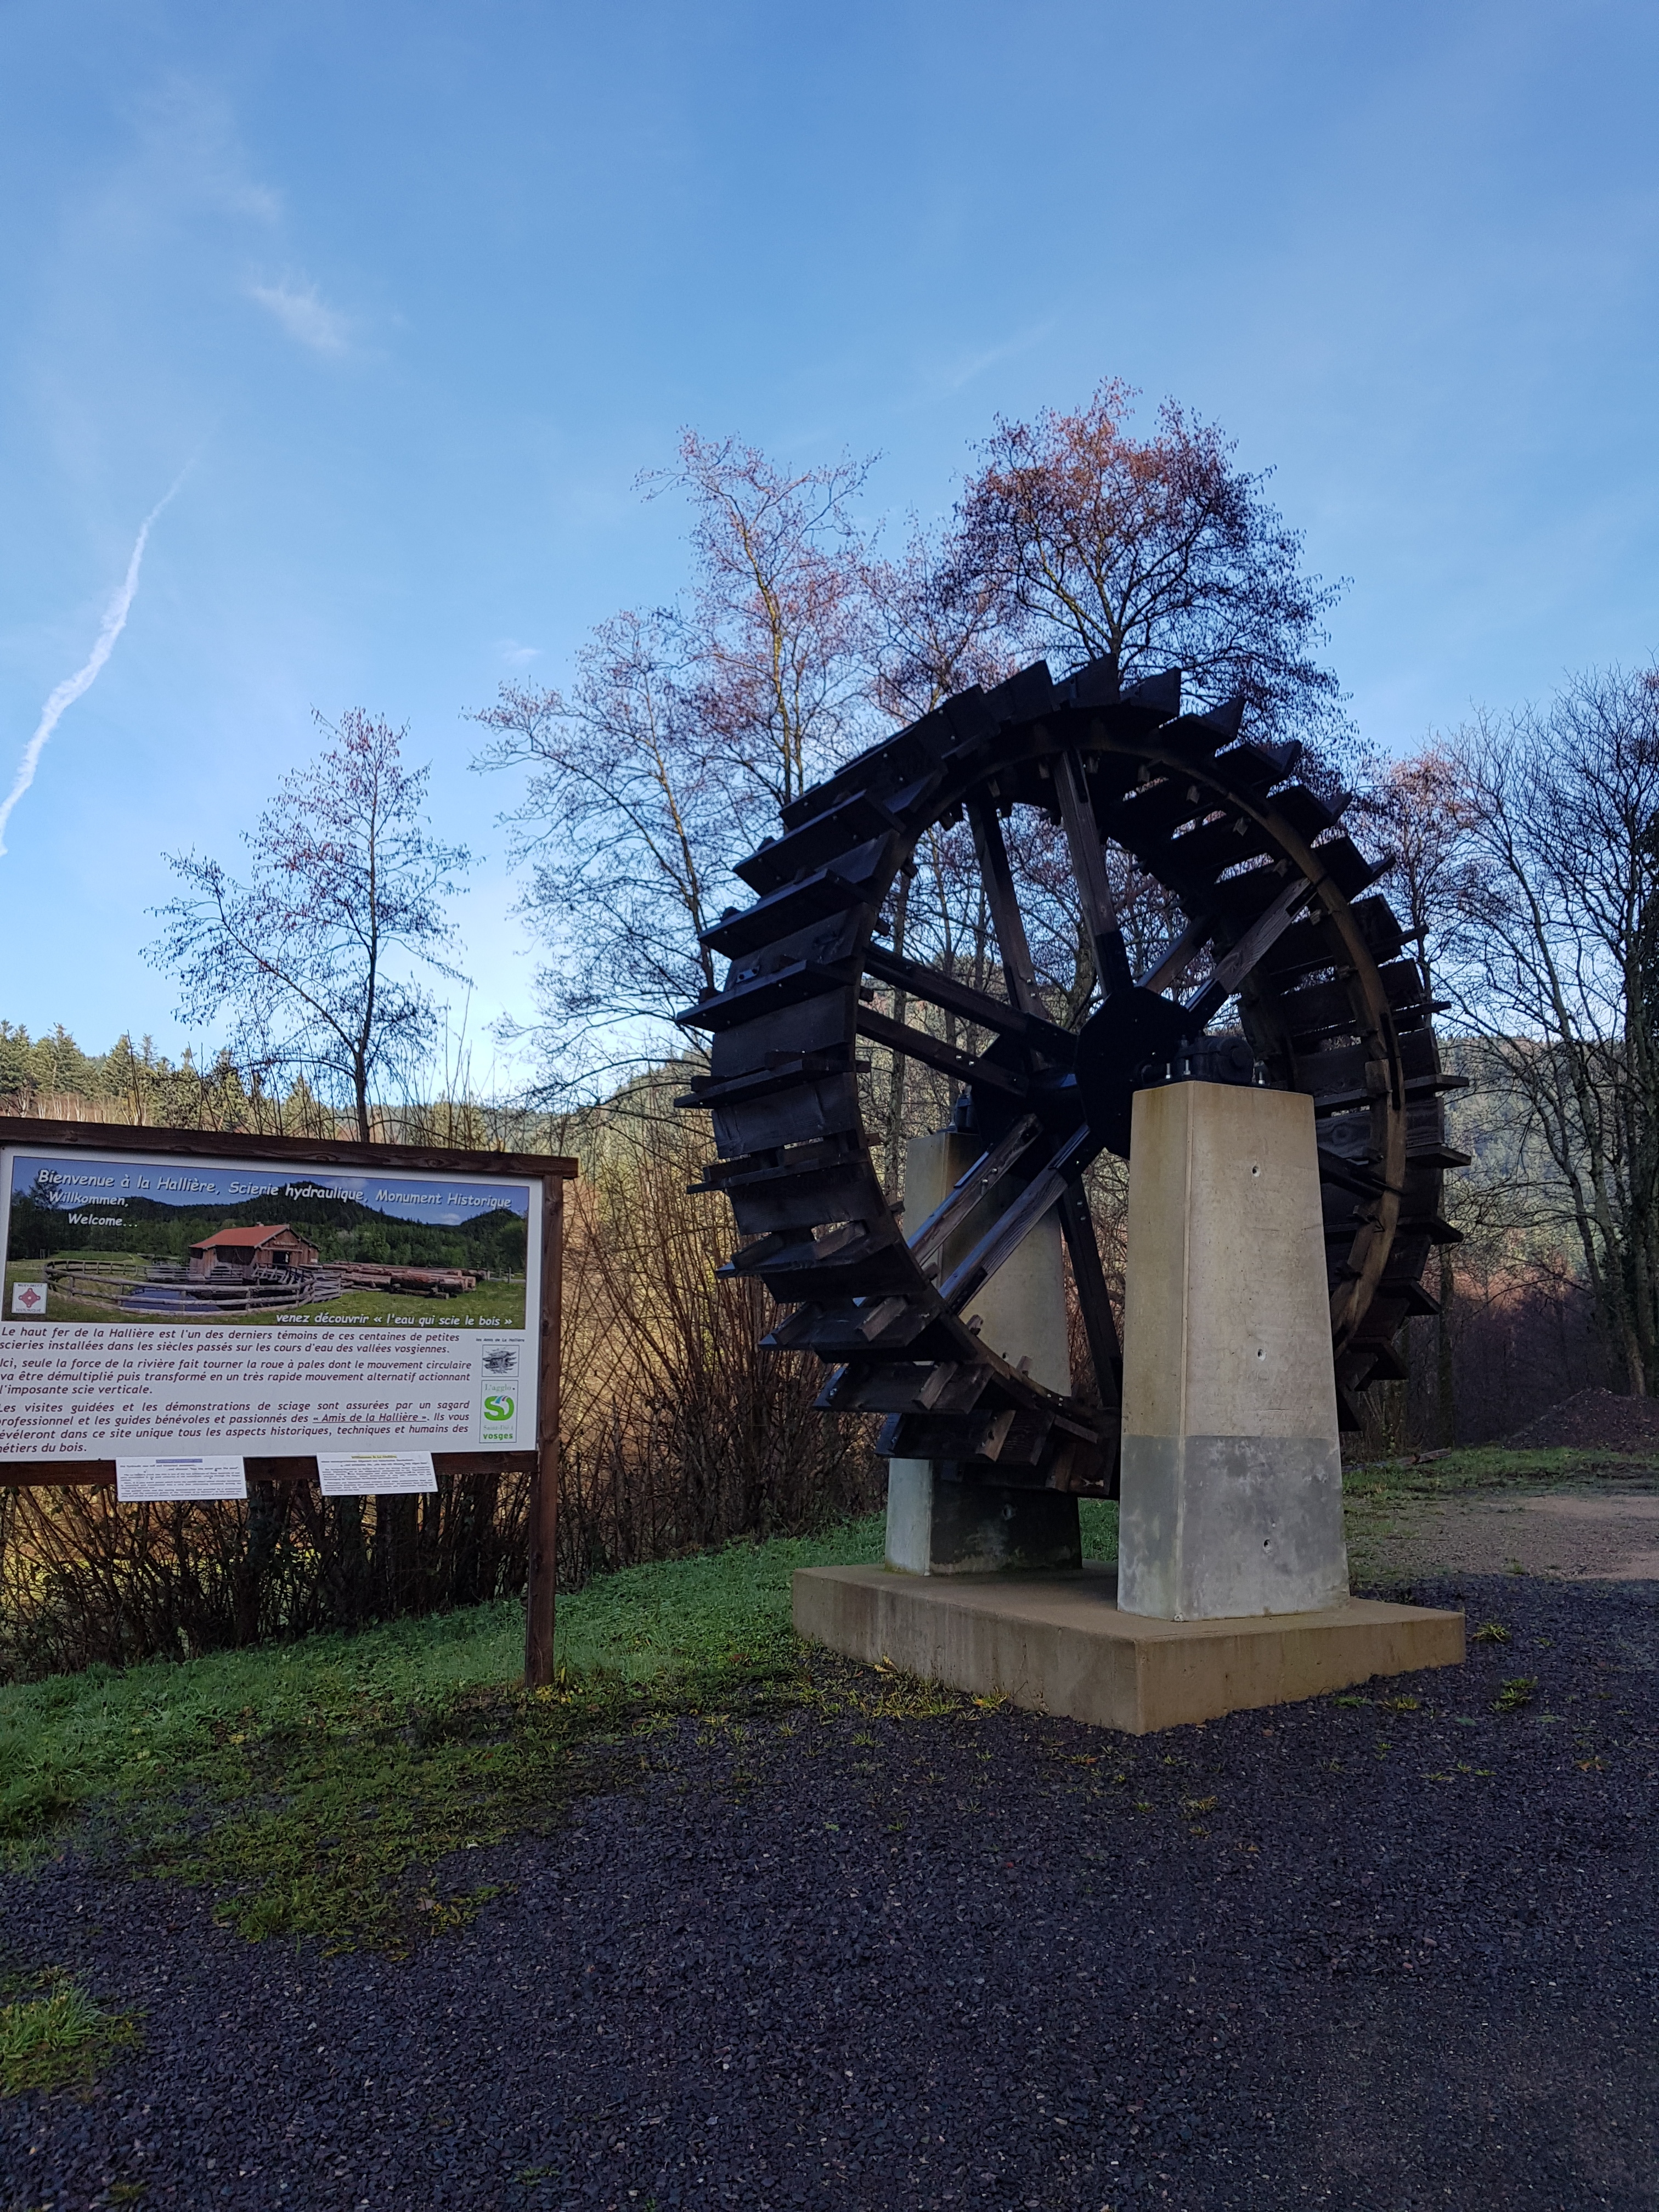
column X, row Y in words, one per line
column 262, row 1246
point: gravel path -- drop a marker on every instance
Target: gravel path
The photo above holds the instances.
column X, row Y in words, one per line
column 1340, row 1953
column 1593, row 1537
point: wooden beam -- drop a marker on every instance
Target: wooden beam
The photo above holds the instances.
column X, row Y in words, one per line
column 930, row 1239
column 1077, row 813
column 1263, row 934
column 970, row 1005
column 1005, row 917
column 1010, row 1229
column 1099, row 1324
column 916, row 1044
column 319, row 1152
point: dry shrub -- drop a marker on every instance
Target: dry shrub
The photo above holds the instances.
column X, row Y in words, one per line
column 83, row 1579
column 680, row 1432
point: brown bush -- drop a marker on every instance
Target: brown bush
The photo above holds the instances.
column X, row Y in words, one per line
column 681, row 1432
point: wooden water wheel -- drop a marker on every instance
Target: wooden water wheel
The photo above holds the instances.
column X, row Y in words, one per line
column 1271, row 892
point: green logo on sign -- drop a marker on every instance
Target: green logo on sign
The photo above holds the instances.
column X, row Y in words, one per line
column 498, row 1409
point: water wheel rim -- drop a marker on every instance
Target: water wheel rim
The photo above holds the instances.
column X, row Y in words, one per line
column 1334, row 1011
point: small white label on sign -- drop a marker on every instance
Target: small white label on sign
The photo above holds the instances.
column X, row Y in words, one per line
column 139, row 1480
column 368, row 1474
column 28, row 1297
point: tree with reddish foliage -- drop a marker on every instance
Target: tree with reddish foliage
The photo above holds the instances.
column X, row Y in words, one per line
column 347, row 887
column 1150, row 554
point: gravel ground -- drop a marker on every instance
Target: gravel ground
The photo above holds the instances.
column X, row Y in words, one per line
column 1572, row 1533
column 1337, row 1953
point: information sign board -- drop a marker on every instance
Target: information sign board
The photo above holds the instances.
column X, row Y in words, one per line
column 156, row 1303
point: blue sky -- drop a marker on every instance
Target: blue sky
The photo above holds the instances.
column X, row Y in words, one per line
column 411, row 294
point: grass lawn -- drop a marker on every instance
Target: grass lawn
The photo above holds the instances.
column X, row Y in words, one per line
column 326, row 1787
column 491, row 1305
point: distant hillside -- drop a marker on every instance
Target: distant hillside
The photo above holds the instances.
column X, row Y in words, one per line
column 341, row 1228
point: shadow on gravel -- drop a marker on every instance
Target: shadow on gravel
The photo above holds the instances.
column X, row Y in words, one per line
column 1391, row 1949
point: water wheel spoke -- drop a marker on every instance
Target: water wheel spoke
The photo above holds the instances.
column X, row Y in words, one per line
column 968, row 1005
column 1010, row 1229
column 1099, row 1323
column 929, row 1239
column 917, row 1044
column 1258, row 939
column 1006, row 920
column 1100, row 915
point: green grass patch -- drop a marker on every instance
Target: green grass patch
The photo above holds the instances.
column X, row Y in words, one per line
column 328, row 1788
column 1487, row 1467
column 48, row 2042
column 498, row 1304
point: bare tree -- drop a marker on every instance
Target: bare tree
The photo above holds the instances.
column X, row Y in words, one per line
column 1421, row 818
column 626, row 823
column 780, row 629
column 685, row 731
column 1150, row 553
column 346, row 885
column 1561, row 973
column 688, row 730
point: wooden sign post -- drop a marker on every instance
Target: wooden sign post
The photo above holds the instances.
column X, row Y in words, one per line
column 544, row 1519
column 209, row 1296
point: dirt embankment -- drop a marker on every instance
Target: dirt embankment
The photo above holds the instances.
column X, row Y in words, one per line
column 1593, row 1420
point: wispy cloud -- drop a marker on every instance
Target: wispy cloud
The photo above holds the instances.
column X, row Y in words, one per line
column 516, row 655
column 72, row 687
column 304, row 316
column 953, row 375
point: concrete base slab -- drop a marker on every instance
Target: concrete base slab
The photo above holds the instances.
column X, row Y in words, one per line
column 1058, row 1643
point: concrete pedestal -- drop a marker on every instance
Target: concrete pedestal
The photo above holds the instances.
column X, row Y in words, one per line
column 936, row 1526
column 1059, row 1644
column 1232, row 1471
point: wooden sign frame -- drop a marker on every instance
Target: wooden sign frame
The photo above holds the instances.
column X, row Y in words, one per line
column 551, row 1170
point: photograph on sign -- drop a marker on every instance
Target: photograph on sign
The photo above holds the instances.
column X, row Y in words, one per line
column 146, row 1481
column 375, row 1474
column 102, row 1237
column 155, row 1303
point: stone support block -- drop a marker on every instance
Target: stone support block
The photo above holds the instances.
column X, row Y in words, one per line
column 938, row 1526
column 1232, row 1475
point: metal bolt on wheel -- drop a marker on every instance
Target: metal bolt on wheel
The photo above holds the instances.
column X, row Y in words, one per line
column 1272, row 892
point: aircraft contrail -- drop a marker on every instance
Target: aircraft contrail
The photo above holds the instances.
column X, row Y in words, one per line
column 115, row 621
